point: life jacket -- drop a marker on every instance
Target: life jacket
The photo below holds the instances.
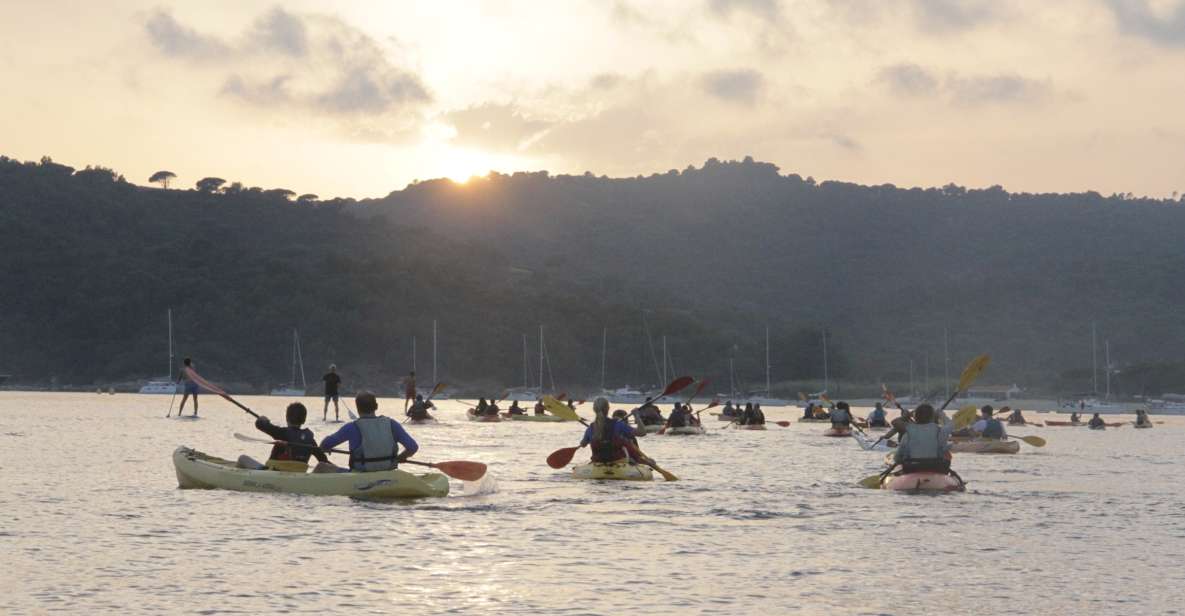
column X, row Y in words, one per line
column 921, row 443
column 678, row 419
column 418, row 410
column 840, row 416
column 288, row 452
column 609, row 448
column 993, row 429
column 379, row 449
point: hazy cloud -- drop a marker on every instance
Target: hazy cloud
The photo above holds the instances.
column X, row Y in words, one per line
column 605, row 81
column 282, row 31
column 769, row 10
column 734, row 86
column 174, row 39
column 996, row 89
column 625, row 13
column 493, row 126
column 1140, row 18
column 264, row 93
column 908, row 79
column 956, row 15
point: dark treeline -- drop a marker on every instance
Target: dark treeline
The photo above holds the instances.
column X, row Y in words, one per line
column 92, row 263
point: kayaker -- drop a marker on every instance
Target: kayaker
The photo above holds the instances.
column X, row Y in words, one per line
column 492, row 408
column 295, row 415
column 758, row 418
column 651, row 415
column 989, row 427
column 678, row 417
column 622, row 417
column 572, row 404
column 924, row 445
column 1016, row 418
column 1142, row 418
column 374, row 439
column 610, row 441
column 332, row 381
column 1074, row 418
column 841, row 416
column 809, row 411
column 904, row 414
column 190, row 387
column 481, row 406
column 728, row 411
column 877, row 418
column 540, row 409
column 1097, row 422
column 515, row 409
column 419, row 408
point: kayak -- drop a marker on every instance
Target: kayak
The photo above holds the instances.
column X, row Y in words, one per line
column 723, row 417
column 421, row 422
column 685, row 430
column 985, row 446
column 833, row 431
column 622, row 471
column 813, row 420
column 1143, row 425
column 483, row 418
column 872, row 427
column 542, row 418
column 196, row 470
column 1102, row 427
column 1078, row 424
column 649, row 428
column 751, row 427
column 922, row 482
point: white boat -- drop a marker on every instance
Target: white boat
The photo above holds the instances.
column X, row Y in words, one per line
column 624, row 395
column 297, row 360
column 164, row 385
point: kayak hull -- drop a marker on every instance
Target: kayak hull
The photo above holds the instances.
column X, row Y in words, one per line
column 811, row 420
column 685, row 431
column 483, row 418
column 196, row 470
column 752, row 427
column 538, row 418
column 618, row 472
column 985, row 446
column 1142, row 426
column 922, row 482
column 421, row 422
column 837, row 432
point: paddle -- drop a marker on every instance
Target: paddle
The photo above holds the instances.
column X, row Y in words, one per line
column 967, row 378
column 457, row 469
column 171, row 399
column 197, row 378
column 435, row 390
column 1035, row 441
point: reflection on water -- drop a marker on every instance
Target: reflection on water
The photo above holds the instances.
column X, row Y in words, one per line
column 761, row 522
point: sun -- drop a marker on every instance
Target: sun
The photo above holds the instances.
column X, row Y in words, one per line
column 461, row 165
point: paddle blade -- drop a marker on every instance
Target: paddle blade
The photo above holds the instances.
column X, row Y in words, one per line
column 669, row 476
column 562, row 396
column 964, row 417
column 206, row 385
column 973, row 370
column 784, row 424
column 676, row 385
column 561, row 457
column 439, row 388
column 559, row 409
column 461, row 469
column 1035, row 441
column 871, row 481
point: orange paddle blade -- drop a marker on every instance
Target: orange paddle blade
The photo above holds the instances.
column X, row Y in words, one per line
column 676, row 385
column 561, row 457
column 461, row 469
column 784, row 424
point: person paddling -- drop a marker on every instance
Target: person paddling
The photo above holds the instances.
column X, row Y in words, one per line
column 492, row 408
column 610, row 441
column 515, row 409
column 285, row 457
column 1097, row 422
column 877, row 418
column 728, row 410
column 809, row 411
column 988, row 427
column 332, row 382
column 409, row 388
column 758, row 418
column 539, row 407
column 1142, row 418
column 374, row 439
column 190, row 387
column 1016, row 418
column 419, row 409
column 841, row 416
column 924, row 445
column 1074, row 418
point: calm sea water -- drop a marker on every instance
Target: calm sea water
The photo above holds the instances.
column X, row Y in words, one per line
column 91, row 521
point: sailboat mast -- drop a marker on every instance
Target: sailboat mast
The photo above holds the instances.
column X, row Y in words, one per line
column 540, row 359
column 293, row 381
column 434, row 351
column 526, row 366
column 172, row 359
column 946, row 361
column 732, row 390
column 604, row 347
column 825, row 375
column 1107, row 365
column 664, row 360
column 1094, row 358
column 413, row 353
column 767, row 391
column 911, row 388
column 304, row 383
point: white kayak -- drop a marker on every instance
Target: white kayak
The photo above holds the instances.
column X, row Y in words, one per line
column 196, row 470
column 685, row 430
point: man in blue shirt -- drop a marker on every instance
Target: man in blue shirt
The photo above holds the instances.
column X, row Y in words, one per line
column 374, row 439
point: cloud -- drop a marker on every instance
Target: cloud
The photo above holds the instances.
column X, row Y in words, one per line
column 605, row 81
column 282, row 31
column 908, row 79
column 769, row 10
column 1141, row 19
column 265, row 93
column 956, row 15
column 372, row 90
column 174, row 39
column 734, row 86
column 495, row 127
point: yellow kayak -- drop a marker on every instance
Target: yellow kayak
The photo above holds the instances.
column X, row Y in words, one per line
column 196, row 470
column 621, row 471
column 985, row 446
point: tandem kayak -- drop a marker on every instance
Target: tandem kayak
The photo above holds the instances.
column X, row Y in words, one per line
column 483, row 418
column 985, row 446
column 622, row 471
column 196, row 470
column 922, row 482
column 541, row 418
column 685, row 430
column 833, row 431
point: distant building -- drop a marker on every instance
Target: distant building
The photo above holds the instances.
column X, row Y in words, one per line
column 993, row 392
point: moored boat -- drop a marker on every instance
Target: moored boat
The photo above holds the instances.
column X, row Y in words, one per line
column 196, row 470
column 622, row 471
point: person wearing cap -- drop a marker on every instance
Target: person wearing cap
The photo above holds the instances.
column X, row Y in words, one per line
column 374, row 439
column 419, row 409
column 988, row 427
column 332, row 383
column 877, row 418
column 841, row 416
column 610, row 441
column 286, row 456
column 924, row 445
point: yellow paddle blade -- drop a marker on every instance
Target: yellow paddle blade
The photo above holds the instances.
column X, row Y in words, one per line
column 972, row 371
column 559, row 409
column 669, row 476
column 871, row 481
column 1035, row 441
column 964, row 417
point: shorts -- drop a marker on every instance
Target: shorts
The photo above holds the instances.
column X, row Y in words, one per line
column 329, row 397
column 191, row 388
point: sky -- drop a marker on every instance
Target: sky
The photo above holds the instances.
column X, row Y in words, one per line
column 359, row 98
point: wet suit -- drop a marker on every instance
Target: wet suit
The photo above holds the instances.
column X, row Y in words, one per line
column 292, row 435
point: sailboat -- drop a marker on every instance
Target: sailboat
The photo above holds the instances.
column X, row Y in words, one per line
column 621, row 395
column 164, row 385
column 527, row 393
column 297, row 360
column 442, row 395
column 767, row 399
